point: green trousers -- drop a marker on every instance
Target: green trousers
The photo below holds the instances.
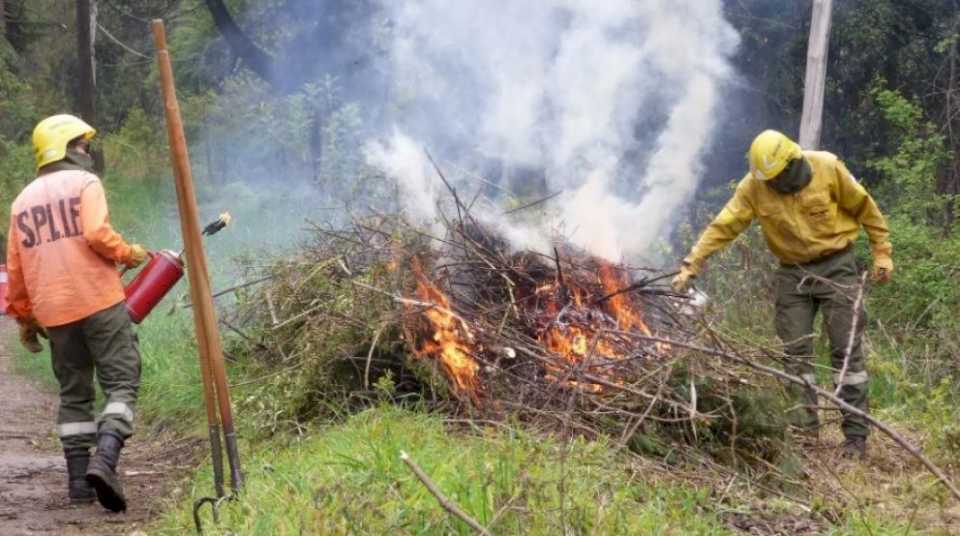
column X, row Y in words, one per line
column 103, row 344
column 830, row 286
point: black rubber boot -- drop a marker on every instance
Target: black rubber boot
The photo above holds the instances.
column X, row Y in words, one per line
column 102, row 472
column 79, row 490
column 854, row 448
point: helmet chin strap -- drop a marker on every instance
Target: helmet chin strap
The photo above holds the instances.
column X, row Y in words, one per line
column 793, row 178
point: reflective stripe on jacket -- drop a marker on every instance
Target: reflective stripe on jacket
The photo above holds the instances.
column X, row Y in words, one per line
column 822, row 218
column 62, row 251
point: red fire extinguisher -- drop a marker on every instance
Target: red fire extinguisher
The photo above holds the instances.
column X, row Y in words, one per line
column 160, row 275
column 153, row 283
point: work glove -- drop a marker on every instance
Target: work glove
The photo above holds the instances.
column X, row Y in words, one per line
column 681, row 283
column 882, row 269
column 137, row 255
column 29, row 331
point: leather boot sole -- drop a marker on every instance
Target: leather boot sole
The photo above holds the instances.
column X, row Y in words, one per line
column 108, row 489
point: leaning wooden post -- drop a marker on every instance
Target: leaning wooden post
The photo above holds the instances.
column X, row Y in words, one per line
column 205, row 319
column 811, row 122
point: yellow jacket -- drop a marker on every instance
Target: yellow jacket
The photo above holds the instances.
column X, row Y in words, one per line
column 822, row 218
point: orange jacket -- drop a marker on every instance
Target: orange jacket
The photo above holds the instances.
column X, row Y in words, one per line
column 62, row 251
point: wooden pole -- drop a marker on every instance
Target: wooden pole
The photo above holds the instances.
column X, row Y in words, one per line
column 210, row 403
column 811, row 122
column 205, row 319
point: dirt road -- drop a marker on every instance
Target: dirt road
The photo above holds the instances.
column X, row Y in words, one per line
column 33, row 498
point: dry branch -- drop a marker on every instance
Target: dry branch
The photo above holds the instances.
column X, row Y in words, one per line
column 827, row 395
column 446, row 503
column 854, row 327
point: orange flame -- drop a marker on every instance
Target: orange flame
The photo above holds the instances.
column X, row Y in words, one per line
column 579, row 330
column 628, row 317
column 570, row 324
column 447, row 342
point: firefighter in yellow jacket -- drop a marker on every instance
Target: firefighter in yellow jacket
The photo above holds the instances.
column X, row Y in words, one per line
column 62, row 256
column 810, row 209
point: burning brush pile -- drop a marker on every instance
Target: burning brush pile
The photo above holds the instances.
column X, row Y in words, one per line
column 463, row 322
column 527, row 321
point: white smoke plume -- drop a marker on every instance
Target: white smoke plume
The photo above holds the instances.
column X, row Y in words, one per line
column 408, row 162
column 614, row 100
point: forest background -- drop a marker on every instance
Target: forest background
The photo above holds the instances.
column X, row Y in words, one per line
column 290, row 146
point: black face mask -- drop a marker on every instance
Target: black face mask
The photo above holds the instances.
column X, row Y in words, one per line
column 73, row 160
column 793, row 178
column 80, row 159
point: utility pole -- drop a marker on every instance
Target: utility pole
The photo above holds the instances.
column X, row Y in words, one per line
column 811, row 122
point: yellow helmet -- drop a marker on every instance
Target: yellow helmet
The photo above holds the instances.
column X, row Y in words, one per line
column 770, row 153
column 51, row 136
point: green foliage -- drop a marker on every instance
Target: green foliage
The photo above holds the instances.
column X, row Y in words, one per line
column 910, row 173
column 16, row 171
column 927, row 403
column 18, row 107
column 171, row 393
column 917, row 313
column 248, row 133
column 138, row 150
column 924, row 294
column 349, row 479
column 313, row 366
column 203, row 58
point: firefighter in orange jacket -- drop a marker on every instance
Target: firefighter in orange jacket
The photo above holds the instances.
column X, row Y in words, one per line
column 62, row 257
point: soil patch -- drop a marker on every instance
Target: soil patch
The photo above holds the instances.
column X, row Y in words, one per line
column 33, row 476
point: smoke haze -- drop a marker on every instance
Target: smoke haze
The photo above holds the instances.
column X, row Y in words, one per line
column 613, row 103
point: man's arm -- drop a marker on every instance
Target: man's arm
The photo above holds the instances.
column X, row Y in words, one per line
column 853, row 198
column 18, row 301
column 95, row 220
column 736, row 216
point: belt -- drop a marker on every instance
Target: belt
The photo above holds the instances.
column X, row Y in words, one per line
column 822, row 258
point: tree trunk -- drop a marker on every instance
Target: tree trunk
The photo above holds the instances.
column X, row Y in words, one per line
column 253, row 56
column 3, row 19
column 87, row 91
column 86, row 96
column 13, row 24
column 811, row 123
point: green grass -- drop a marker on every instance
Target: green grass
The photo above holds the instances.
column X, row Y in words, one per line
column 349, row 479
column 171, row 394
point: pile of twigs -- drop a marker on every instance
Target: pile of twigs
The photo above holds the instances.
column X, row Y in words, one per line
column 561, row 339
column 456, row 316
